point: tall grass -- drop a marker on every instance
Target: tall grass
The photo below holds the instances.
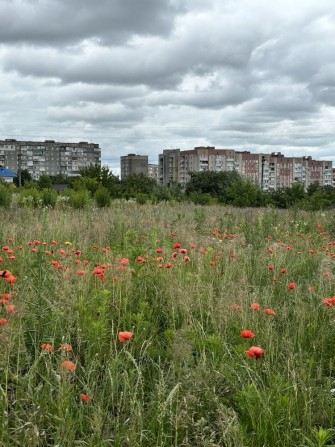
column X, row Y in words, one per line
column 183, row 378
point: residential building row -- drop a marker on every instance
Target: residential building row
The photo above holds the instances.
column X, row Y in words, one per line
column 269, row 171
column 48, row 157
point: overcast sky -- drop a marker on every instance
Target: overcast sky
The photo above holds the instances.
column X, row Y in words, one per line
column 140, row 76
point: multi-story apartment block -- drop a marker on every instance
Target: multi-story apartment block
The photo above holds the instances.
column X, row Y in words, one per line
column 48, row 157
column 269, row 171
column 133, row 164
column 153, row 171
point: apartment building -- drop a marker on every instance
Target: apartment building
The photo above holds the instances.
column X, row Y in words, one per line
column 269, row 171
column 48, row 157
column 133, row 164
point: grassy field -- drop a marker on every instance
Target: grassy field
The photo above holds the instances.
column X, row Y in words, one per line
column 167, row 325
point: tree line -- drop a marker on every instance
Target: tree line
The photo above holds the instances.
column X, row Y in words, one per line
column 204, row 188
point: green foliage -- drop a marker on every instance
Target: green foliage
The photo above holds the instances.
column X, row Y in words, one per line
column 102, row 197
column 213, row 183
column 91, row 184
column 29, row 198
column 138, row 184
column 5, row 196
column 49, row 197
column 77, row 199
column 25, row 176
column 44, row 182
column 102, row 175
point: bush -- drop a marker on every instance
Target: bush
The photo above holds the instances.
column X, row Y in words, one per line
column 29, row 198
column 5, row 196
column 77, row 199
column 102, row 197
column 49, row 197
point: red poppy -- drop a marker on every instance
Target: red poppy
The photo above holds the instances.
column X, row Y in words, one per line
column 247, row 333
column 282, row 271
column 329, row 302
column 176, row 245
column 255, row 351
column 270, row 312
column 3, row 321
column 270, row 267
column 183, row 251
column 65, row 347
column 291, row 285
column 125, row 336
column 186, row 259
column 159, row 250
column 255, row 306
column 47, row 347
column 67, row 364
column 10, row 309
column 85, row 397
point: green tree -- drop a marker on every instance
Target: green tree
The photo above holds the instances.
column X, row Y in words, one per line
column 44, row 182
column 213, row 183
column 139, row 183
column 102, row 174
column 25, row 176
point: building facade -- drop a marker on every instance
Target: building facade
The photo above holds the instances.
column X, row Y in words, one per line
column 134, row 164
column 268, row 171
column 48, row 157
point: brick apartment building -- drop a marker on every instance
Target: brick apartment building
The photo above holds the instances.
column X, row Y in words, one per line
column 269, row 171
column 48, row 157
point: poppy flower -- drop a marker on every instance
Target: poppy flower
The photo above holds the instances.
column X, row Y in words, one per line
column 124, row 261
column 85, row 397
column 125, row 336
column 159, row 250
column 183, row 251
column 176, row 245
column 65, row 347
column 10, row 309
column 168, row 265
column 3, row 321
column 255, row 351
column 329, row 302
column 47, row 347
column 186, row 259
column 255, row 306
column 10, row 279
column 282, row 271
column 291, row 285
column 67, row 364
column 247, row 333
column 270, row 312
column 270, row 267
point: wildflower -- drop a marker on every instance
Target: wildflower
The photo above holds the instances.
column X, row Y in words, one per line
column 85, row 397
column 255, row 351
column 186, row 259
column 10, row 279
column 183, row 251
column 3, row 321
column 211, row 263
column 168, row 265
column 124, row 261
column 176, row 245
column 159, row 250
column 82, row 272
column 270, row 312
column 5, row 273
column 67, row 364
column 247, row 334
column 47, row 347
column 124, row 336
column 67, row 243
column 312, row 289
column 329, row 302
column 174, row 255
column 192, row 246
column 255, row 306
column 53, row 242
column 270, row 267
column 282, row 271
column 10, row 309
column 65, row 347
column 291, row 285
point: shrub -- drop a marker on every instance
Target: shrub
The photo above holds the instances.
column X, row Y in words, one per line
column 5, row 196
column 29, row 198
column 49, row 197
column 77, row 199
column 102, row 197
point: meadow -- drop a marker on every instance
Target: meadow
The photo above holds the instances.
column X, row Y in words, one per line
column 167, row 325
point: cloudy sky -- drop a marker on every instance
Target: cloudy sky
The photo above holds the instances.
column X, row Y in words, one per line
column 140, row 76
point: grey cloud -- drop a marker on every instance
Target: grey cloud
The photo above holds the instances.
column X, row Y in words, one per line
column 69, row 21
